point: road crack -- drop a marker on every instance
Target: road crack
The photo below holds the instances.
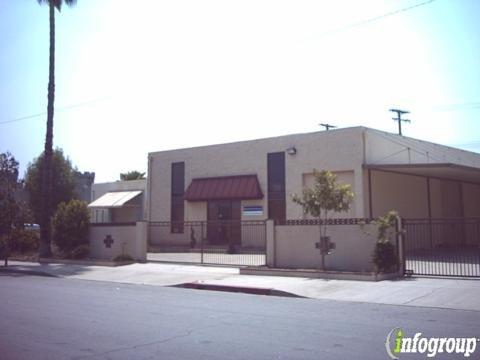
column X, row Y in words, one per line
column 133, row 347
column 421, row 296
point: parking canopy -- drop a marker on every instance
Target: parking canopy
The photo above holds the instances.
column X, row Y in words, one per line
column 114, row 199
column 445, row 171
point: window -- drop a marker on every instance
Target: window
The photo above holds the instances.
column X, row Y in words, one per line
column 276, row 186
column 177, row 210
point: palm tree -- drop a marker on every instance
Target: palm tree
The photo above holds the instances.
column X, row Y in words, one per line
column 47, row 185
column 132, row 175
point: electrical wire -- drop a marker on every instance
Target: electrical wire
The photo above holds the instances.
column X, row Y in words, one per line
column 373, row 19
column 61, row 108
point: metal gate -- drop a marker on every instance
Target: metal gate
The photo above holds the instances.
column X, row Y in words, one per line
column 236, row 243
column 442, row 247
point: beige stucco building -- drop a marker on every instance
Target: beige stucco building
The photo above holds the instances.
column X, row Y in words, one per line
column 208, row 204
column 118, row 201
column 419, row 179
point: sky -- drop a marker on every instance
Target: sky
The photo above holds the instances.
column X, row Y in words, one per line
column 137, row 78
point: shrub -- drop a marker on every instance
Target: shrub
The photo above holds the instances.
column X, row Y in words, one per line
column 384, row 255
column 24, row 241
column 70, row 225
column 80, row 252
column 3, row 248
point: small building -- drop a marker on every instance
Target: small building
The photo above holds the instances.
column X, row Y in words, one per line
column 254, row 180
column 118, row 202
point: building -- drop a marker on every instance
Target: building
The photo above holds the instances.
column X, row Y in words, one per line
column 83, row 185
column 118, row 202
column 254, row 180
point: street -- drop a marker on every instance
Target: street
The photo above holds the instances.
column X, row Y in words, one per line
column 53, row 318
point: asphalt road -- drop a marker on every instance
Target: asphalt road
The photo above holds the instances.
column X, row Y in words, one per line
column 52, row 318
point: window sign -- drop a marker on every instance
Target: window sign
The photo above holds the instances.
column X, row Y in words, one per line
column 253, row 210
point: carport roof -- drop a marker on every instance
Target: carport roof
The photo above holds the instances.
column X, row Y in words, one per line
column 114, row 199
column 445, row 171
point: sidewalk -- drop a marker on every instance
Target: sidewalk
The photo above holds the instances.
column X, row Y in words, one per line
column 461, row 294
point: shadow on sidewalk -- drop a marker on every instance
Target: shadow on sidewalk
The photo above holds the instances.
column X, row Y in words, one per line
column 41, row 269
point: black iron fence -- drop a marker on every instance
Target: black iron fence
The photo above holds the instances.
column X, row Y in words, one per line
column 239, row 243
column 442, row 247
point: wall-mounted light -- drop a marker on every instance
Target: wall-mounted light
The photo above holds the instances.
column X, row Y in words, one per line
column 291, row 150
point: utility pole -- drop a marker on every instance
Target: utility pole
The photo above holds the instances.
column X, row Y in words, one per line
column 399, row 118
column 328, row 126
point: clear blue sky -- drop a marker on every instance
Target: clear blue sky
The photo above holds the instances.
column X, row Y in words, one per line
column 167, row 74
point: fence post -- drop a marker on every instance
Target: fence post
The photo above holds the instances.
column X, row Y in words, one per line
column 270, row 248
column 400, row 244
column 141, row 240
column 201, row 243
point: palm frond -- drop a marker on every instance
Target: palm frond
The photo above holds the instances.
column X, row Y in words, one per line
column 58, row 3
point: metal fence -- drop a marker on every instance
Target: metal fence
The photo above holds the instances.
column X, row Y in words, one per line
column 238, row 243
column 442, row 247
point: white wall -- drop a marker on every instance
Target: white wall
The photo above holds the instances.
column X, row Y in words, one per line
column 343, row 151
column 343, row 178
column 128, row 240
column 318, row 150
column 471, row 200
column 404, row 193
column 295, row 247
column 408, row 195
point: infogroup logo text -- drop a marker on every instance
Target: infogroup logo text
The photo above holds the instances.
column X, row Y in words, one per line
column 397, row 343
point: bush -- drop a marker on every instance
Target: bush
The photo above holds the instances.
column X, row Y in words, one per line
column 3, row 248
column 70, row 225
column 24, row 241
column 384, row 257
column 80, row 252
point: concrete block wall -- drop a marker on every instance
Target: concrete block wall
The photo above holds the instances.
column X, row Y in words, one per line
column 128, row 239
column 293, row 247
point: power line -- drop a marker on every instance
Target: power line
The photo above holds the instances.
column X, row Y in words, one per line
column 22, row 118
column 455, row 107
column 61, row 108
column 376, row 18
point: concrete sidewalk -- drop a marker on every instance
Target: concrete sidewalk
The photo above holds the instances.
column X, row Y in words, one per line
column 461, row 294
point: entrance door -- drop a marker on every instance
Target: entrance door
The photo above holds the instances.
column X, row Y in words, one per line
column 224, row 222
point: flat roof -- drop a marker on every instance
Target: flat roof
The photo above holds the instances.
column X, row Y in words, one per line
column 322, row 133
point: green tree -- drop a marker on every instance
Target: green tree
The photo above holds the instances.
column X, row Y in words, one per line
column 12, row 212
column 47, row 188
column 326, row 195
column 132, row 175
column 70, row 225
column 63, row 178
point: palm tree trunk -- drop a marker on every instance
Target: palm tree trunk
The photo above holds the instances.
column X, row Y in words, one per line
column 47, row 185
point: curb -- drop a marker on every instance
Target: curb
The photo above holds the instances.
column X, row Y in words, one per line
column 318, row 274
column 86, row 262
column 237, row 289
column 10, row 270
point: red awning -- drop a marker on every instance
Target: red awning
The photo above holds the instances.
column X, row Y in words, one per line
column 242, row 187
